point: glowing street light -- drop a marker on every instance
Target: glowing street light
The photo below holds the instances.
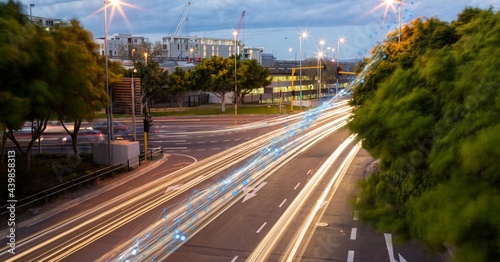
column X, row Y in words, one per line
column 341, row 40
column 109, row 116
column 390, row 2
column 320, row 56
column 303, row 35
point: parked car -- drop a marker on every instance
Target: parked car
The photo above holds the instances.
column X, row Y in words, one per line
column 118, row 127
column 85, row 136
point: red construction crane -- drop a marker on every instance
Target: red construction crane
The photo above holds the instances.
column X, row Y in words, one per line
column 240, row 24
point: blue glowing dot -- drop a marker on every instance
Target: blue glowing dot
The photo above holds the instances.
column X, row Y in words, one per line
column 235, row 193
column 134, row 252
column 183, row 238
column 177, row 236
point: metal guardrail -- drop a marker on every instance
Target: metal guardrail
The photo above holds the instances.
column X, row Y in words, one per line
column 74, row 183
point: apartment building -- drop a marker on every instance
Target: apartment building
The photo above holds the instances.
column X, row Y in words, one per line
column 120, row 45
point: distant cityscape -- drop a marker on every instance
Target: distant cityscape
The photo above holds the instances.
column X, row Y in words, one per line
column 187, row 51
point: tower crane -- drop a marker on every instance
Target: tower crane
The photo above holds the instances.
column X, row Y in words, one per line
column 237, row 32
column 182, row 21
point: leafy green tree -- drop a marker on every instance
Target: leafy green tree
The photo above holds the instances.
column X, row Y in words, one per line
column 430, row 112
column 251, row 75
column 28, row 70
column 80, row 83
column 216, row 75
column 179, row 82
column 153, row 80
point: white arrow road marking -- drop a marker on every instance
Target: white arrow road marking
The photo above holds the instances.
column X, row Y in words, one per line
column 322, row 204
column 390, row 249
column 253, row 191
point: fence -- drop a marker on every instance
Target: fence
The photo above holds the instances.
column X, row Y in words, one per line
column 188, row 100
column 90, row 179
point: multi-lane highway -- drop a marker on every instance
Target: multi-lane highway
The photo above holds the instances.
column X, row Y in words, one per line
column 253, row 192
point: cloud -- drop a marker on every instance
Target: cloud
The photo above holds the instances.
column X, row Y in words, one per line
column 268, row 21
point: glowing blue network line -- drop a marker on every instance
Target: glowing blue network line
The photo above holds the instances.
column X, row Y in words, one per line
column 172, row 230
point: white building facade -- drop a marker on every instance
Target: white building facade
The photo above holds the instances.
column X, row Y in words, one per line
column 192, row 48
column 120, row 45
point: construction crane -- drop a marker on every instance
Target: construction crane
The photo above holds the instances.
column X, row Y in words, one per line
column 237, row 32
column 181, row 22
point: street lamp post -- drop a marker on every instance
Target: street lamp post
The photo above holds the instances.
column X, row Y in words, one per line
column 235, row 33
column 341, row 40
column 400, row 13
column 320, row 55
column 31, row 16
column 399, row 18
column 109, row 115
column 134, row 132
column 303, row 35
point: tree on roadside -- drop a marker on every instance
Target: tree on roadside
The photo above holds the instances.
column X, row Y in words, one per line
column 430, row 113
column 179, row 82
column 153, row 80
column 251, row 75
column 216, row 75
column 80, row 80
column 28, row 69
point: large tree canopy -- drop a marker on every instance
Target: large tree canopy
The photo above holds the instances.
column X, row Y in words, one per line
column 79, row 84
column 431, row 113
column 179, row 82
column 251, row 75
column 54, row 73
column 28, row 68
column 216, row 75
column 153, row 79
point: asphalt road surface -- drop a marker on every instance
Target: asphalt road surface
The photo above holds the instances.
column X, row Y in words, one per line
column 278, row 189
